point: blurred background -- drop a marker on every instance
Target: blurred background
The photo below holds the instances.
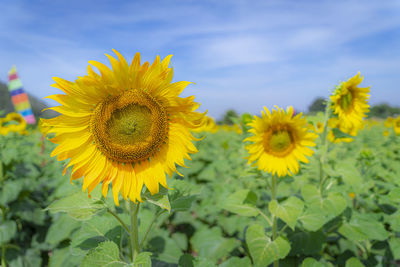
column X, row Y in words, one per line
column 241, row 55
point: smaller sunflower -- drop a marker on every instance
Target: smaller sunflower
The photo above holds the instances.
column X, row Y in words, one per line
column 396, row 125
column 209, row 125
column 388, row 122
column 350, row 102
column 335, row 123
column 13, row 122
column 280, row 140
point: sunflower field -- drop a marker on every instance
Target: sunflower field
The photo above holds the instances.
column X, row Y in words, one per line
column 130, row 174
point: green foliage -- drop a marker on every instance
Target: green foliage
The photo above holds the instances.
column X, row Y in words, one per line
column 218, row 214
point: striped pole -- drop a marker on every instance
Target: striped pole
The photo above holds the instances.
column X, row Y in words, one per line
column 18, row 96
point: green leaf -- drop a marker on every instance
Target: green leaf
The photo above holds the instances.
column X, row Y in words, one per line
column 354, row 262
column 7, row 231
column 143, row 260
column 181, row 240
column 236, row 261
column 209, row 243
column 262, row 249
column 339, row 134
column 164, row 247
column 364, row 227
column 78, row 205
column 236, row 203
column 394, row 195
column 61, row 229
column 289, row 211
column 313, row 219
column 160, row 199
column 310, row 194
column 10, row 191
column 352, row 232
column 94, row 231
column 105, row 255
column 311, row 262
column 186, row 260
column 182, row 203
column 334, row 204
column 394, row 244
column 62, row 257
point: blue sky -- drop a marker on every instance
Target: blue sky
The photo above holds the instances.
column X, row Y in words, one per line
column 241, row 54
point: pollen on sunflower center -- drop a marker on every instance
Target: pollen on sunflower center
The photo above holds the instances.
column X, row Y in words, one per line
column 129, row 127
column 278, row 142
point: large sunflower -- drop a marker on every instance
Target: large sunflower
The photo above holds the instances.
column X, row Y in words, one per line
column 280, row 140
column 350, row 102
column 127, row 126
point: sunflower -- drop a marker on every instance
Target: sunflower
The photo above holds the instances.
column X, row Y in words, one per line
column 388, row 122
column 126, row 127
column 350, row 102
column 396, row 125
column 280, row 140
column 13, row 122
column 335, row 123
column 208, row 126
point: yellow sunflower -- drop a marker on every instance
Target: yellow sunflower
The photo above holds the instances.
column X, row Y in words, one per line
column 208, row 126
column 335, row 123
column 350, row 102
column 388, row 122
column 127, row 126
column 396, row 125
column 280, row 140
column 13, row 122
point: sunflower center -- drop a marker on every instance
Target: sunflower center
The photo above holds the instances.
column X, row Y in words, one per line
column 279, row 142
column 129, row 127
column 346, row 101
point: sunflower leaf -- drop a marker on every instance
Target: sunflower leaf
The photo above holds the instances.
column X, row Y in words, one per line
column 262, row 249
column 78, row 205
column 160, row 199
column 289, row 211
column 106, row 254
column 242, row 202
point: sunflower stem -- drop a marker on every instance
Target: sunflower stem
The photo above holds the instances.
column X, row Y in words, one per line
column 119, row 220
column 134, row 210
column 324, row 147
column 3, row 248
column 274, row 187
column 3, row 256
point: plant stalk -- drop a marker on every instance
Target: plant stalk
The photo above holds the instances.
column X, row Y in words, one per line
column 134, row 236
column 3, row 256
column 274, row 186
column 149, row 228
column 324, row 147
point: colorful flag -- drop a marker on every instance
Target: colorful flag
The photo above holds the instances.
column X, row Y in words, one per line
column 19, row 97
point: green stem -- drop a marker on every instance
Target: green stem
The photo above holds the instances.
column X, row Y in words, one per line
column 3, row 256
column 149, row 228
column 119, row 219
column 274, row 221
column 324, row 147
column 134, row 210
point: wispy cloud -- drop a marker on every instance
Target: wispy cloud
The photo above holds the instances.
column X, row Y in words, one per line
column 241, row 54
